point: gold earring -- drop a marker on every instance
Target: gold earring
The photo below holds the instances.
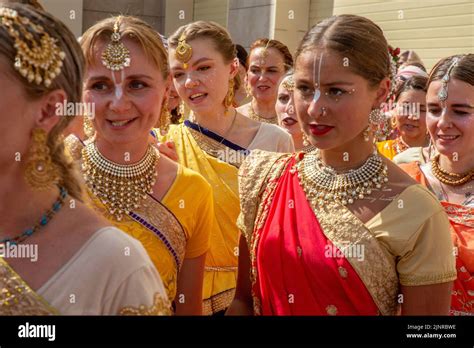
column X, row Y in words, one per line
column 229, row 98
column 366, row 133
column 41, row 173
column 165, row 119
column 88, row 127
column 305, row 139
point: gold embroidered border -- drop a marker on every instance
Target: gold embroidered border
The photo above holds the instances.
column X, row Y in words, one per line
column 428, row 279
column 257, row 183
column 218, row 302
column 17, row 298
column 160, row 306
column 459, row 214
column 377, row 271
column 217, row 150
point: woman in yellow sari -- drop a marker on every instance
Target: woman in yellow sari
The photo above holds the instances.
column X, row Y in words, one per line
column 409, row 116
column 56, row 255
column 450, row 174
column 129, row 183
column 215, row 140
column 340, row 230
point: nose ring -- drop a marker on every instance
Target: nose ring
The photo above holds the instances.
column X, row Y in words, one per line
column 323, row 111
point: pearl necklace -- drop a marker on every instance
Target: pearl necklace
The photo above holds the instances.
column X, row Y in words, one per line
column 120, row 187
column 343, row 187
column 451, row 179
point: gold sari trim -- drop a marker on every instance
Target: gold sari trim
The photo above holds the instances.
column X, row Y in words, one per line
column 218, row 302
column 156, row 214
column 17, row 298
column 218, row 150
column 160, row 306
column 377, row 270
column 257, row 183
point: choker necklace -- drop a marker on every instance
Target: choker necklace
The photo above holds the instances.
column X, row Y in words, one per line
column 45, row 218
column 329, row 185
column 253, row 115
column 120, row 187
column 451, row 179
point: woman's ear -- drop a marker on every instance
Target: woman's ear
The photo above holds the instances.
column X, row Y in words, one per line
column 382, row 92
column 52, row 106
column 234, row 67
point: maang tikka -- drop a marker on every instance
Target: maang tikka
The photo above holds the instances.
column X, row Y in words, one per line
column 443, row 93
column 116, row 56
column 37, row 60
column 184, row 51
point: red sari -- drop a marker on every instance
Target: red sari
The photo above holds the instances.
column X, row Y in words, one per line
column 296, row 268
column 462, row 233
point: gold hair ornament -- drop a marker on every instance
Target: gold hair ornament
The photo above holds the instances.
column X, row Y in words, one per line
column 443, row 93
column 38, row 61
column 184, row 51
column 289, row 84
column 116, row 55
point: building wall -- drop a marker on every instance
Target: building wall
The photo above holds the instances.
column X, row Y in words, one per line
column 249, row 20
column 211, row 10
column 151, row 11
column 69, row 12
column 177, row 13
column 291, row 21
column 433, row 28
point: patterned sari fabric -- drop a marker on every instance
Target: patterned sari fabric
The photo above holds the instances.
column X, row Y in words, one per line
column 309, row 258
column 217, row 160
column 17, row 298
column 462, row 232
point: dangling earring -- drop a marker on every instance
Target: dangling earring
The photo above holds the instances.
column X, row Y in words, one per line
column 41, row 173
column 88, row 127
column 305, row 139
column 165, row 118
column 375, row 118
column 366, row 133
column 229, row 98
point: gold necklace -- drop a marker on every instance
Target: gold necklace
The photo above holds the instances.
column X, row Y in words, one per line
column 120, row 187
column 400, row 145
column 253, row 115
column 451, row 179
column 328, row 185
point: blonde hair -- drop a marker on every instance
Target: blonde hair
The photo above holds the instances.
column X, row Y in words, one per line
column 210, row 30
column 279, row 46
column 69, row 80
column 133, row 28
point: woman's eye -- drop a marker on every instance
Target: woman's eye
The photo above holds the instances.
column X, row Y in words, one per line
column 254, row 70
column 99, row 86
column 204, row 68
column 434, row 111
column 177, row 75
column 137, row 85
column 305, row 90
column 336, row 92
column 283, row 99
column 461, row 113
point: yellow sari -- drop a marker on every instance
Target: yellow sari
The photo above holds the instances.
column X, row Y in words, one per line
column 220, row 274
column 155, row 226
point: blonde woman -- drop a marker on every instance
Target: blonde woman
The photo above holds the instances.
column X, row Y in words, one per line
column 84, row 266
column 129, row 182
column 215, row 140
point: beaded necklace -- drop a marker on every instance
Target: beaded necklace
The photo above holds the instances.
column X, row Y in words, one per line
column 45, row 218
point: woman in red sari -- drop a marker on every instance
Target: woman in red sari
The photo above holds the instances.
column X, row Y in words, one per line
column 340, row 230
column 449, row 175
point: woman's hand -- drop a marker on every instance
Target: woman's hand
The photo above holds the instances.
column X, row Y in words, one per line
column 168, row 149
